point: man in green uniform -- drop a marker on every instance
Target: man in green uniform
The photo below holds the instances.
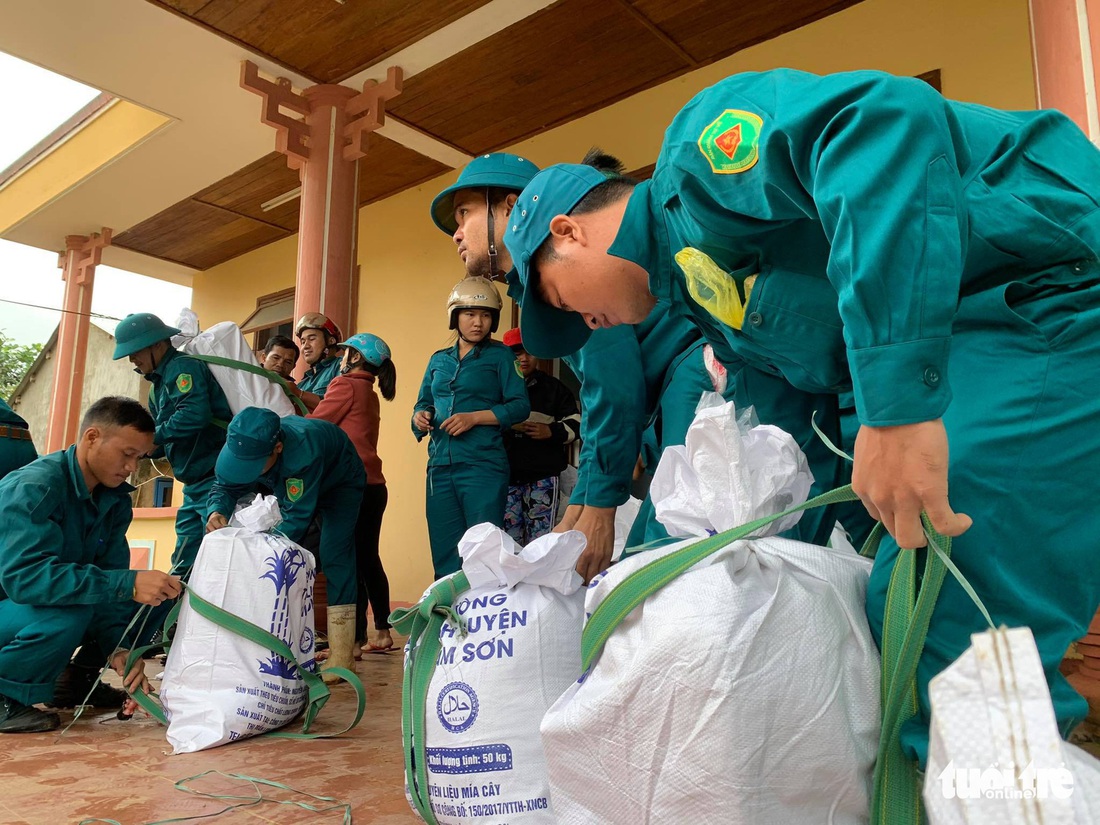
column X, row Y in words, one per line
column 313, row 470
column 320, row 339
column 650, row 374
column 64, row 568
column 16, row 446
column 858, row 232
column 191, row 412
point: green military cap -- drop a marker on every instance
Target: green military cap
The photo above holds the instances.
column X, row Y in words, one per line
column 498, row 170
column 138, row 331
column 249, row 441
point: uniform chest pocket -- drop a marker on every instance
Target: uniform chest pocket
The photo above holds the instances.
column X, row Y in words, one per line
column 792, row 322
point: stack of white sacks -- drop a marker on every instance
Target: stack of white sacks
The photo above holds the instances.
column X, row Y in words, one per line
column 745, row 691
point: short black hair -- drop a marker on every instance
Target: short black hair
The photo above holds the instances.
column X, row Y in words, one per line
column 615, row 188
column 283, row 342
column 118, row 411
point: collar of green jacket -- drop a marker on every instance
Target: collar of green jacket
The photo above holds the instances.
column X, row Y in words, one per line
column 320, row 367
column 80, row 487
column 157, row 375
column 643, row 239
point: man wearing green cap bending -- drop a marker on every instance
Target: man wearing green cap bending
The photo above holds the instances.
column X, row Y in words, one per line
column 313, row 470
column 649, row 374
column 859, row 233
column 191, row 413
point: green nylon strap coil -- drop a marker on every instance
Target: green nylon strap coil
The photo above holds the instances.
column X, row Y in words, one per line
column 423, row 623
column 218, row 361
column 319, row 692
column 244, row 801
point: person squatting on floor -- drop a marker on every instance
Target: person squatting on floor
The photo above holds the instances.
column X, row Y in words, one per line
column 859, row 232
column 470, row 392
column 351, row 403
column 314, row 472
column 65, row 580
column 537, row 449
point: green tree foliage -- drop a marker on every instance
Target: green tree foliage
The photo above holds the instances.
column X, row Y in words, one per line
column 15, row 360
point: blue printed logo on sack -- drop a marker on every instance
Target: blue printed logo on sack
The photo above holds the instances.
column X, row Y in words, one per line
column 457, row 707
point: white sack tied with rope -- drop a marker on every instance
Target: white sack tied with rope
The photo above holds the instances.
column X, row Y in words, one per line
column 745, row 691
column 218, row 686
column 518, row 648
column 241, row 387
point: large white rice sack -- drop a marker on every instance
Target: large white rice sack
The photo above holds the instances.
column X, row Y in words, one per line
column 242, row 388
column 217, row 686
column 994, row 753
column 518, row 648
column 746, row 690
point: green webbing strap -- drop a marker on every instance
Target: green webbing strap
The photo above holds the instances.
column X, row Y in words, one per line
column 218, row 361
column 244, row 801
column 318, row 691
column 907, row 614
column 645, row 581
column 423, row 623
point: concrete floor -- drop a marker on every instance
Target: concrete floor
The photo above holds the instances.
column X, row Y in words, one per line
column 106, row 769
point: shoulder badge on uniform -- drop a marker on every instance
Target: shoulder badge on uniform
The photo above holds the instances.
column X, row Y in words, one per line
column 184, row 383
column 294, row 488
column 519, row 369
column 731, row 143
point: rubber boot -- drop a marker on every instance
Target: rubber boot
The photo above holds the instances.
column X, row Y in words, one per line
column 341, row 640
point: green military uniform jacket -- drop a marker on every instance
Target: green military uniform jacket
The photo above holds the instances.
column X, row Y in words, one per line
column 191, row 413
column 61, row 545
column 488, row 378
column 318, row 377
column 854, row 210
column 317, row 457
column 623, row 372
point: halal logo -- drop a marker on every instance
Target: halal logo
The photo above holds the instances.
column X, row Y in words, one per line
column 184, row 383
column 457, row 706
column 731, row 143
column 294, row 488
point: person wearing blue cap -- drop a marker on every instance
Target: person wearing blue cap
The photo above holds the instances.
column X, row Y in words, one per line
column 314, row 472
column 860, row 233
column 65, row 577
column 191, row 412
column 351, row 403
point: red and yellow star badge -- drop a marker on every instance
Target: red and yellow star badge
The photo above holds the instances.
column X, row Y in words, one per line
column 184, row 383
column 294, row 488
column 731, row 143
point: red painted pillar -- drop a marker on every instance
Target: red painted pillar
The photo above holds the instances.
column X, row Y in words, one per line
column 325, row 145
column 78, row 262
column 1065, row 37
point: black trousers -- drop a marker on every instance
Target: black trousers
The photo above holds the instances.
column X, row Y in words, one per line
column 372, row 584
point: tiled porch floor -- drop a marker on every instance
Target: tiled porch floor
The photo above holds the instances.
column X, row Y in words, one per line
column 107, row 769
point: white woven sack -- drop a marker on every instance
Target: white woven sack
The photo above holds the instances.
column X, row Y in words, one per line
column 219, row 687
column 242, row 389
column 744, row 692
column 523, row 615
column 994, row 753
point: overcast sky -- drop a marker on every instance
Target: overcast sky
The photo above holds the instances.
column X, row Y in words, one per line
column 44, row 101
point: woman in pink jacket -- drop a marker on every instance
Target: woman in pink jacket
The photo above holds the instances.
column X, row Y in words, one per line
column 352, row 404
